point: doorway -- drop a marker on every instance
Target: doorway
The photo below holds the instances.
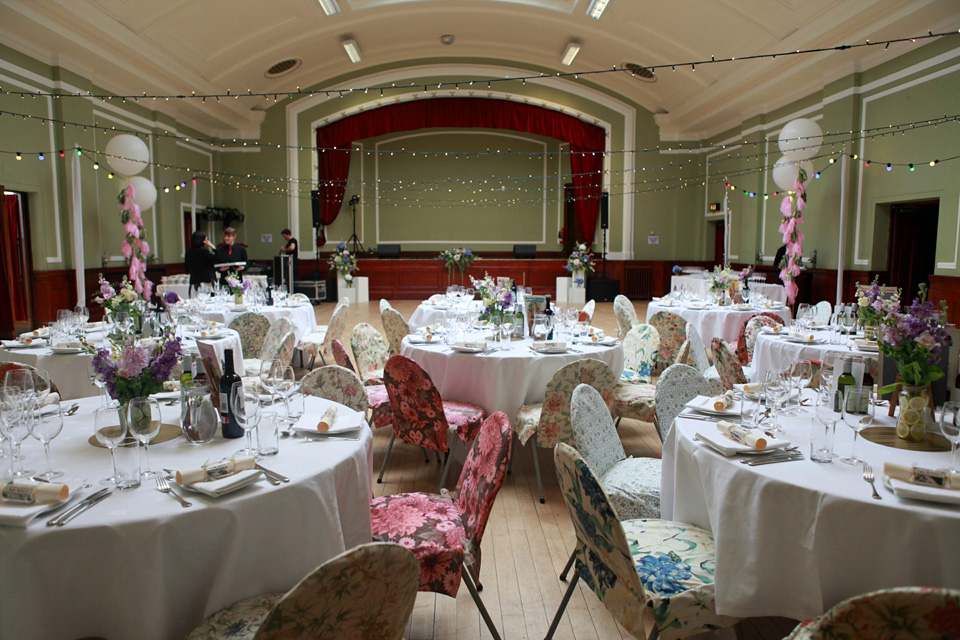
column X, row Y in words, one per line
column 16, row 301
column 571, row 227
column 719, row 231
column 911, row 249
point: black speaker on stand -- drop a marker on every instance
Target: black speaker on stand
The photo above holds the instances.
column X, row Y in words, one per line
column 602, row 289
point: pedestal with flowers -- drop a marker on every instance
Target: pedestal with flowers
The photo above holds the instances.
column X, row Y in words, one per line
column 345, row 264
column 458, row 258
column 579, row 264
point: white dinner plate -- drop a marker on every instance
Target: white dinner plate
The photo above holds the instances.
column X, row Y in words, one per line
column 417, row 339
column 727, row 447
column 919, row 492
column 804, row 340
column 462, row 349
column 66, row 349
column 549, row 350
column 702, row 404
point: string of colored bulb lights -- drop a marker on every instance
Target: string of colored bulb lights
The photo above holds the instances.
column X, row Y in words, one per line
column 456, row 84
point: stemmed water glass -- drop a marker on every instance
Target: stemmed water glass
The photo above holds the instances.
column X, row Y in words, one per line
column 506, row 330
column 775, row 387
column 110, row 432
column 144, row 420
column 245, row 405
column 15, row 425
column 541, row 327
column 828, row 413
column 293, row 397
column 858, row 409
column 46, row 426
column 271, row 375
column 950, row 428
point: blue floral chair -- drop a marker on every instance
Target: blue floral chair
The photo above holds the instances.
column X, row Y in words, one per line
column 640, row 347
column 278, row 344
column 917, row 613
column 633, row 565
column 677, row 385
column 626, row 314
column 338, row 600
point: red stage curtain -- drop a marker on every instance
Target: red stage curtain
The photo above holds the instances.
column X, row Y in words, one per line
column 586, row 142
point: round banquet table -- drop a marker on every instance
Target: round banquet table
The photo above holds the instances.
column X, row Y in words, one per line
column 700, row 286
column 772, row 352
column 502, row 380
column 138, row 565
column 716, row 322
column 301, row 315
column 794, row 539
column 71, row 371
column 429, row 313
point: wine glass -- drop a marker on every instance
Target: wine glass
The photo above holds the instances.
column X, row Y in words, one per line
column 110, row 432
column 245, row 405
column 144, row 420
column 294, row 402
column 41, row 385
column 857, row 409
column 775, row 387
column 271, row 375
column 45, row 427
column 803, row 315
column 83, row 315
column 827, row 370
column 847, row 321
column 950, row 428
column 15, row 425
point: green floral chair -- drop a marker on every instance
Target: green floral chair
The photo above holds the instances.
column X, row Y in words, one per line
column 640, row 347
column 727, row 363
column 626, row 314
column 253, row 328
column 396, row 329
column 384, row 304
column 365, row 593
column 677, row 385
column 336, row 383
column 917, row 613
column 318, row 343
column 633, row 565
column 546, row 423
column 370, row 351
column 673, row 331
column 278, row 344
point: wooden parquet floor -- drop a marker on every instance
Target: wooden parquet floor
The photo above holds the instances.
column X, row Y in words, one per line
column 526, row 543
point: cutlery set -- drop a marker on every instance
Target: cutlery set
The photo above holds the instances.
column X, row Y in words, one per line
column 80, row 507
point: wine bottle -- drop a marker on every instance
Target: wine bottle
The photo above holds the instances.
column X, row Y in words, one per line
column 269, row 295
column 843, row 381
column 230, row 427
column 549, row 313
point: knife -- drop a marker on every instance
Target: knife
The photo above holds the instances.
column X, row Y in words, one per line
column 53, row 521
column 84, row 508
column 274, row 474
column 776, row 459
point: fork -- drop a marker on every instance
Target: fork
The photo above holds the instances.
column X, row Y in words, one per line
column 164, row 487
column 868, row 476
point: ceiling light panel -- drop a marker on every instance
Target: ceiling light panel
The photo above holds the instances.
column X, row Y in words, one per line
column 329, row 7
column 353, row 51
column 573, row 48
column 595, row 10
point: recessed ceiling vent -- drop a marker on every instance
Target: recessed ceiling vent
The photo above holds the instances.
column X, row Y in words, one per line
column 640, row 72
column 283, row 67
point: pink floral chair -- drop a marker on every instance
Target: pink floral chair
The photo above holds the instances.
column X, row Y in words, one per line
column 370, row 351
column 421, row 417
column 918, row 613
column 336, row 383
column 673, row 331
column 395, row 327
column 445, row 530
column 253, row 328
column 749, row 332
column 377, row 399
column 547, row 423
column 340, row 355
column 319, row 342
column 626, row 314
column 338, row 600
column 278, row 344
column 636, row 566
column 727, row 363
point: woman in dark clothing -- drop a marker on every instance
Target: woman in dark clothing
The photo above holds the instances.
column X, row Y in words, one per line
column 200, row 259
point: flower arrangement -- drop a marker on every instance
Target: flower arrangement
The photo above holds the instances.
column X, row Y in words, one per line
column 236, row 286
column 114, row 301
column 720, row 281
column 746, row 273
column 458, row 257
column 676, row 270
column 343, row 262
column 914, row 341
column 874, row 305
column 580, row 260
column 132, row 370
column 792, row 236
column 496, row 300
column 135, row 247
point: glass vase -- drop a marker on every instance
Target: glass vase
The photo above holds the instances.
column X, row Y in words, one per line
column 871, row 332
column 238, row 299
column 579, row 278
column 915, row 416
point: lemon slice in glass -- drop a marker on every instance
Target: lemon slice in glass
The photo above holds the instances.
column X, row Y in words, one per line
column 917, row 403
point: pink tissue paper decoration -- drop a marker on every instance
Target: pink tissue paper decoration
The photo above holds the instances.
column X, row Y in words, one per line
column 135, row 247
column 792, row 236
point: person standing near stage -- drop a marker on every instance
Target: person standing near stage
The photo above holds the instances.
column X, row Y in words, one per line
column 291, row 247
column 229, row 251
column 199, row 260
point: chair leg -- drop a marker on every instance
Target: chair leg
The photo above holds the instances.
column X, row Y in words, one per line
column 437, row 453
column 563, row 605
column 426, row 456
column 476, row 578
column 312, row 359
column 566, row 567
column 446, row 467
column 386, row 457
column 655, row 633
column 468, row 580
column 512, row 448
column 617, row 423
column 536, row 467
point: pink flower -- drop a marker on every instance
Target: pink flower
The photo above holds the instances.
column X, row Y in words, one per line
column 132, row 229
column 144, row 248
column 126, row 249
column 132, row 362
column 926, row 339
column 397, row 520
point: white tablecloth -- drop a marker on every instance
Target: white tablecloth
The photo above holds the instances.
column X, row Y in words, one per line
column 701, row 287
column 504, row 380
column 71, row 371
column 302, row 316
column 716, row 322
column 772, row 352
column 796, row 538
column 428, row 313
column 139, row 566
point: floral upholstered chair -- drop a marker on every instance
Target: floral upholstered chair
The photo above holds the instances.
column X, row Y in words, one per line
column 300, row 298
column 253, row 328
column 749, row 332
column 421, row 417
column 636, row 565
column 640, row 347
column 340, row 355
column 318, row 343
column 445, row 530
column 19, row 366
column 278, row 344
column 673, row 331
column 626, row 314
column 586, row 314
column 918, row 613
column 338, row 600
column 822, row 312
column 336, row 383
column 395, row 327
column 727, row 363
column 698, row 353
column 384, row 304
column 370, row 351
column 547, row 423
column 683, row 355
column 678, row 385
column 380, row 413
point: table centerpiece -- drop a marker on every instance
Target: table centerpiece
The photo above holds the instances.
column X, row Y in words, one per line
column 458, row 258
column 344, row 263
column 873, row 305
column 579, row 264
column 720, row 284
column 237, row 288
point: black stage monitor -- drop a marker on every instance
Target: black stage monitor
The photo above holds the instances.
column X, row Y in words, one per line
column 388, row 251
column 525, row 251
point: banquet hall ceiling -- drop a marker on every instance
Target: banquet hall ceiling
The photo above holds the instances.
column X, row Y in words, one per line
column 209, row 46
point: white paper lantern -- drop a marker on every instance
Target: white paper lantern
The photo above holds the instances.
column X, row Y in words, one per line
column 144, row 193
column 127, row 155
column 800, row 139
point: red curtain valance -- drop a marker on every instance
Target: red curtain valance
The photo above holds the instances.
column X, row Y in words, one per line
column 587, row 143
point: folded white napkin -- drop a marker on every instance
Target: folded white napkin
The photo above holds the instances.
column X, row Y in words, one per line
column 25, row 343
column 20, row 515
column 197, row 475
column 705, row 403
column 552, row 344
column 42, row 332
column 806, row 337
column 727, row 447
column 722, row 401
column 939, row 479
column 52, row 398
column 345, row 420
column 751, row 388
column 227, row 484
column 480, row 344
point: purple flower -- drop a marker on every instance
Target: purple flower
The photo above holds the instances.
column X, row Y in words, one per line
column 171, row 297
